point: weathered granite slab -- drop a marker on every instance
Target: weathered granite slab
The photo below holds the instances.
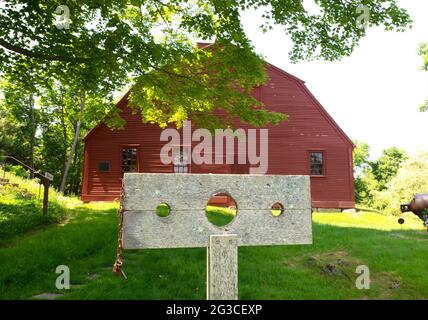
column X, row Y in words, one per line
column 222, row 267
column 188, row 194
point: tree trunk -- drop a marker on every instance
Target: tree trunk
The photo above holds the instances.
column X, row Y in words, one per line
column 76, row 176
column 75, row 141
column 64, row 134
column 32, row 133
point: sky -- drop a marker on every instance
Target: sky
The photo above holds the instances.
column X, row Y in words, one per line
column 374, row 95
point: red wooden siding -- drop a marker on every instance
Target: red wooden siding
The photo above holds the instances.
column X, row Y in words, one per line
column 309, row 128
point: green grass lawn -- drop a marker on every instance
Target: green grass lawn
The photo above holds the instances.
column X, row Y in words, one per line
column 21, row 207
column 86, row 242
column 220, row 216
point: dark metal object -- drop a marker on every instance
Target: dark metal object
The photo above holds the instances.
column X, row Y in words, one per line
column 419, row 206
column 46, row 183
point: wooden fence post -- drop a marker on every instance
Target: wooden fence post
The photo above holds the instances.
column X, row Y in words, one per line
column 46, row 183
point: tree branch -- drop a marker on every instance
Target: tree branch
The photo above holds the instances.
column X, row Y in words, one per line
column 37, row 55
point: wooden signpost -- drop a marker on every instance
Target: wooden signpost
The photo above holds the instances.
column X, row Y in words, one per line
column 47, row 179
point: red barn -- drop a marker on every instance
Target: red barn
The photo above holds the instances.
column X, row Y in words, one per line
column 309, row 143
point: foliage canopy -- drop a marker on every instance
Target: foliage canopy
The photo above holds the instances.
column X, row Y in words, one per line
column 423, row 52
column 411, row 179
column 110, row 44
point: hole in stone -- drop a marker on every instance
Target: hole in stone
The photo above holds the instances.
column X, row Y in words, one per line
column 221, row 209
column 277, row 209
column 163, row 210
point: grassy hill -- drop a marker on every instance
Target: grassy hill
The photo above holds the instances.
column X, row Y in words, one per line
column 21, row 206
column 84, row 237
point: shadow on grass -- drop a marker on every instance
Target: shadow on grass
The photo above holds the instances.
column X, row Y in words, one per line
column 364, row 209
column 87, row 245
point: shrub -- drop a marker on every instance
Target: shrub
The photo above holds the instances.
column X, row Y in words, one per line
column 17, row 170
column 411, row 179
column 21, row 206
column 364, row 185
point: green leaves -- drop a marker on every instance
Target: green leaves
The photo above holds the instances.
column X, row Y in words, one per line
column 423, row 52
column 334, row 32
column 410, row 179
column 386, row 167
column 371, row 177
column 361, row 154
column 213, row 87
column 424, row 106
column 111, row 44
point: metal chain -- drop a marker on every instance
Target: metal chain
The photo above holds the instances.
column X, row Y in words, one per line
column 118, row 264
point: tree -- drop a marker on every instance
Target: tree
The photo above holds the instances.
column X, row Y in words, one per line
column 361, row 155
column 423, row 51
column 364, row 179
column 75, row 141
column 371, row 176
column 365, row 185
column 386, row 167
column 21, row 114
column 411, row 179
column 105, row 45
column 10, row 135
column 68, row 114
column 100, row 47
column 56, row 129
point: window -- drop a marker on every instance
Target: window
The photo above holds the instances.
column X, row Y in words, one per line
column 129, row 160
column 317, row 163
column 181, row 159
column 104, row 166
